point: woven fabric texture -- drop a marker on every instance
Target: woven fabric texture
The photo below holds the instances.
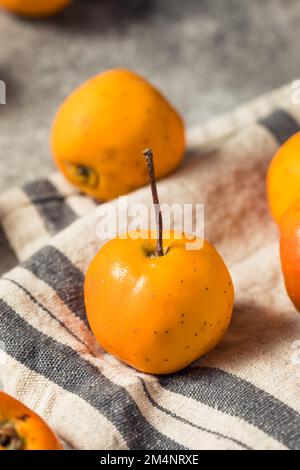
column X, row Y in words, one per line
column 242, row 395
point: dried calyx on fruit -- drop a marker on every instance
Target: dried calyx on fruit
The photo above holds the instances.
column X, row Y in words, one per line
column 9, row 437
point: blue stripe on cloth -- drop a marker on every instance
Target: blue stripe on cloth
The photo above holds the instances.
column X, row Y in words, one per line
column 201, row 428
column 281, row 124
column 237, row 397
column 54, row 268
column 51, row 205
column 63, row 366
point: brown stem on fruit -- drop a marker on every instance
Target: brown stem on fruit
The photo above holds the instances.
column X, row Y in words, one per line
column 149, row 157
column 9, row 437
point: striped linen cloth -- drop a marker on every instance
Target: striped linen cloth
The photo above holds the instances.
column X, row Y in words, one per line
column 242, row 395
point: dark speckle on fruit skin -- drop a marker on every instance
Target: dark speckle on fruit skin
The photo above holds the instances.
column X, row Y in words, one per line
column 167, row 331
column 24, row 417
column 166, row 360
column 155, row 332
column 196, row 334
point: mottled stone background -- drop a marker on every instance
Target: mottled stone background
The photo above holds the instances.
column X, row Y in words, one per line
column 206, row 56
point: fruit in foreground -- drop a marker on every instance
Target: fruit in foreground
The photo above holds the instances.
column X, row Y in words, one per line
column 290, row 251
column 101, row 129
column 22, row 429
column 156, row 305
column 35, row 8
column 283, row 180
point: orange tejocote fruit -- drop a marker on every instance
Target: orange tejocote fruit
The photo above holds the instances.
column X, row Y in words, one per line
column 158, row 307
column 35, row 8
column 283, row 180
column 290, row 251
column 22, row 429
column 102, row 127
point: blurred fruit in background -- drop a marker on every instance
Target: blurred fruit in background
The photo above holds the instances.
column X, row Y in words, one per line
column 290, row 251
column 22, row 429
column 101, row 129
column 35, row 8
column 283, row 180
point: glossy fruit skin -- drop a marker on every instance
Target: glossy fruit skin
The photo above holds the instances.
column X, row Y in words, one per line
column 34, row 432
column 283, row 179
column 290, row 251
column 104, row 126
column 35, row 8
column 158, row 314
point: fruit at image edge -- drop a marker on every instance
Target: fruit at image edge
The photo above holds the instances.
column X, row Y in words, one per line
column 290, row 251
column 101, row 129
column 153, row 303
column 283, row 179
column 22, row 429
column 35, row 8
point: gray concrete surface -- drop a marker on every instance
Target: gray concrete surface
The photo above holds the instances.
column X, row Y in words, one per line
column 206, row 56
